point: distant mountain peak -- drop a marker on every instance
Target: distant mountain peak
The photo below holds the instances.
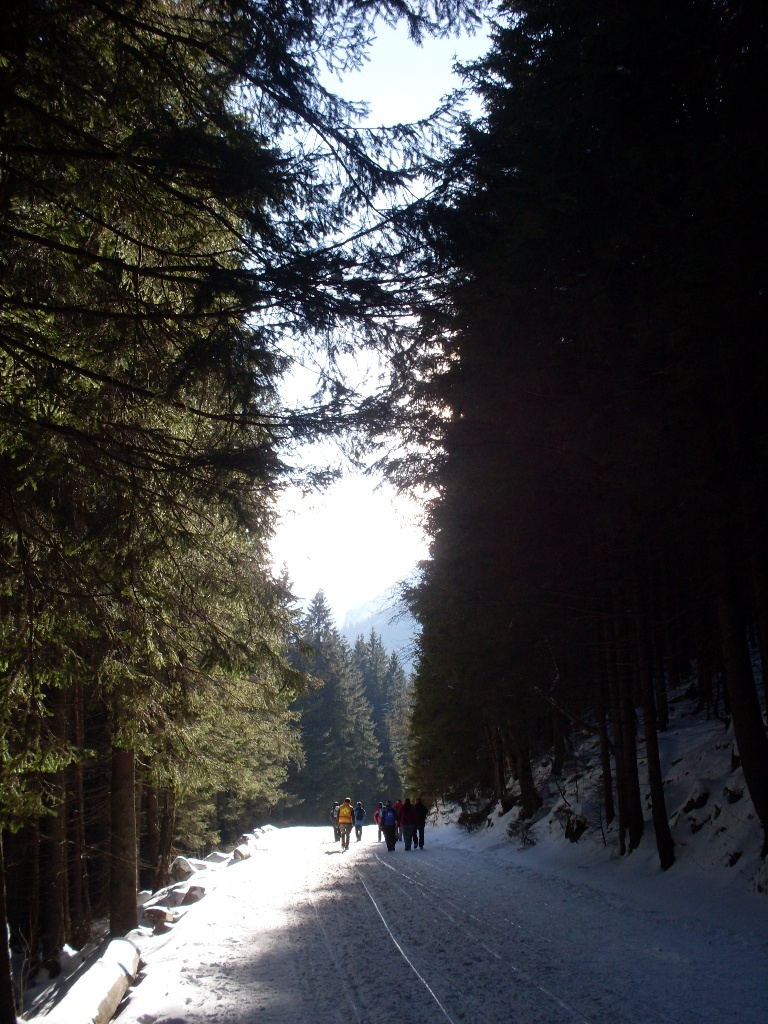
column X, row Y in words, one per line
column 389, row 617
column 379, row 605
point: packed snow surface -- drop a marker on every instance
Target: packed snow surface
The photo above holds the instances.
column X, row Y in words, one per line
column 472, row 928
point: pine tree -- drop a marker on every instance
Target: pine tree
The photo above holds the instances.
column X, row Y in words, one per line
column 593, row 272
column 383, row 688
column 174, row 204
column 341, row 751
column 399, row 723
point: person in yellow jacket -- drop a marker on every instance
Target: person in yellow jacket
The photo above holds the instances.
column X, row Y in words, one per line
column 345, row 822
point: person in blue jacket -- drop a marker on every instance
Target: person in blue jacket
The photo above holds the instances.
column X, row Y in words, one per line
column 358, row 818
column 389, row 821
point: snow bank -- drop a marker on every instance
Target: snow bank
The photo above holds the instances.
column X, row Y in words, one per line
column 98, row 993
column 717, row 834
column 95, row 996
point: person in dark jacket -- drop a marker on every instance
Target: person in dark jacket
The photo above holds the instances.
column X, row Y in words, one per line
column 408, row 821
column 358, row 816
column 335, row 821
column 421, row 820
column 389, row 820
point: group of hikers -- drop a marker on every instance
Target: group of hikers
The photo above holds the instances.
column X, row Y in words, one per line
column 399, row 822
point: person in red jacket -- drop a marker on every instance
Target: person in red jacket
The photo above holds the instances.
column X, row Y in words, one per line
column 408, row 822
column 377, row 817
column 398, row 808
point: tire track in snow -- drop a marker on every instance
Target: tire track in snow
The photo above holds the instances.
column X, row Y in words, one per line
column 439, row 898
column 402, row 952
column 343, row 978
column 356, row 950
column 478, row 985
column 463, row 995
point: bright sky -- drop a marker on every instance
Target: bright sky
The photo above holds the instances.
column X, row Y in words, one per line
column 359, row 538
column 350, row 541
column 403, row 82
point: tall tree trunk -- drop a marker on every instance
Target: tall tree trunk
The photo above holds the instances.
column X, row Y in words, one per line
column 123, row 875
column 53, row 878
column 80, row 929
column 22, row 876
column 760, row 586
column 612, row 677
column 33, row 897
column 152, row 836
column 744, row 704
column 655, row 639
column 660, row 688
column 53, row 854
column 704, row 656
column 529, row 796
column 605, row 743
column 670, row 659
column 493, row 739
column 664, row 842
column 167, row 829
column 558, row 742
column 635, row 822
column 7, row 1001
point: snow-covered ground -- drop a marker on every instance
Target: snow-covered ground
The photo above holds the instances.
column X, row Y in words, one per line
column 499, row 925
column 467, row 929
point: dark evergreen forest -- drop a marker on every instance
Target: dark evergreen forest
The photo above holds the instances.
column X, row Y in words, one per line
column 354, row 721
column 181, row 202
column 587, row 398
column 574, row 312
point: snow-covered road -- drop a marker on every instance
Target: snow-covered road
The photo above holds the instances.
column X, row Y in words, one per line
column 304, row 933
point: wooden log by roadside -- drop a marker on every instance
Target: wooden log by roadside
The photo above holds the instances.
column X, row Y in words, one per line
column 217, row 857
column 159, row 916
column 184, row 867
column 94, row 998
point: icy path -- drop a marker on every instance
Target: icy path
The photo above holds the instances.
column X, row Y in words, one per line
column 304, row 933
